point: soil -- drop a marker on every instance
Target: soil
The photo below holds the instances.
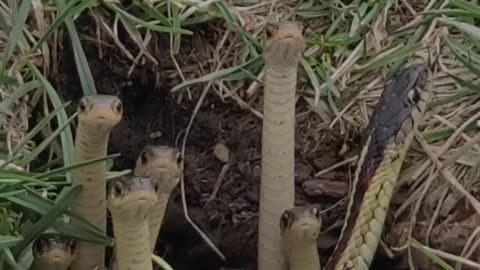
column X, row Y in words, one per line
column 152, row 115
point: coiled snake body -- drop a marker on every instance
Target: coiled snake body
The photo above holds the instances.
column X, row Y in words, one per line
column 53, row 251
column 97, row 115
column 129, row 200
column 389, row 134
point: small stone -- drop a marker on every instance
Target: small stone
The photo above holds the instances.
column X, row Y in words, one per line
column 221, row 152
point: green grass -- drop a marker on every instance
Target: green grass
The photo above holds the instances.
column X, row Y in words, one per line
column 338, row 32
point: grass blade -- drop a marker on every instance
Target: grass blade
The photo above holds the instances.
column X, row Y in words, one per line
column 8, row 241
column 15, row 35
column 45, row 221
column 66, row 135
column 84, row 72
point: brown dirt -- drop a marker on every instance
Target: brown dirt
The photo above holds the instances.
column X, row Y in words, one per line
column 231, row 218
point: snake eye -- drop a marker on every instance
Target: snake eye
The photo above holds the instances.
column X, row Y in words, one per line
column 38, row 245
column 284, row 220
column 72, row 244
column 119, row 106
column 118, row 188
column 413, row 95
column 179, row 158
column 155, row 187
column 144, row 157
column 315, row 212
column 270, row 29
column 82, row 105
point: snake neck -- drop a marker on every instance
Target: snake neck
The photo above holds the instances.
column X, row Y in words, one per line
column 304, row 256
column 280, row 81
column 278, row 153
column 92, row 140
column 132, row 244
column 90, row 143
column 155, row 218
column 42, row 265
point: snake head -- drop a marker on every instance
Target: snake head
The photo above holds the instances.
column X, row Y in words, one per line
column 101, row 110
column 131, row 197
column 54, row 250
column 284, row 45
column 300, row 224
column 161, row 163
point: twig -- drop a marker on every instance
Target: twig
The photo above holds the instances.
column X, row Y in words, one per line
column 184, row 143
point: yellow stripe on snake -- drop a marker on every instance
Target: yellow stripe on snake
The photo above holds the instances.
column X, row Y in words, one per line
column 52, row 251
column 130, row 200
column 97, row 115
column 389, row 134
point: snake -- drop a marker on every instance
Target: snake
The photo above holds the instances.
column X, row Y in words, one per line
column 52, row 251
column 389, row 134
column 97, row 115
column 300, row 227
column 129, row 201
column 282, row 52
column 164, row 165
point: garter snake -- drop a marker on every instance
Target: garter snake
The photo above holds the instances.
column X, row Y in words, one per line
column 389, row 135
column 282, row 53
column 97, row 115
column 129, row 201
column 53, row 251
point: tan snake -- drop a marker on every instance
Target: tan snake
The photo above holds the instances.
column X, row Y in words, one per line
column 97, row 115
column 129, row 200
column 281, row 53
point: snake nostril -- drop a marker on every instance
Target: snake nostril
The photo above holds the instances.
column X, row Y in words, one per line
column 156, row 187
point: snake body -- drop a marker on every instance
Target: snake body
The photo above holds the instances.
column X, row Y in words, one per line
column 300, row 227
column 388, row 137
column 97, row 115
column 282, row 53
column 53, row 251
column 129, row 200
column 162, row 164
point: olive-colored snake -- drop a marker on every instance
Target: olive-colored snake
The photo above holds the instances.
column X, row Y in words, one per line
column 388, row 137
column 53, row 251
column 163, row 164
column 282, row 53
column 97, row 115
column 130, row 200
column 300, row 227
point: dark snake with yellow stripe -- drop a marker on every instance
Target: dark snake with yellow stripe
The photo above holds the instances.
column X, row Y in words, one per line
column 389, row 135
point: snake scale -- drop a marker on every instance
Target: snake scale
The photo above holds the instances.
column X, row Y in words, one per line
column 97, row 115
column 389, row 134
